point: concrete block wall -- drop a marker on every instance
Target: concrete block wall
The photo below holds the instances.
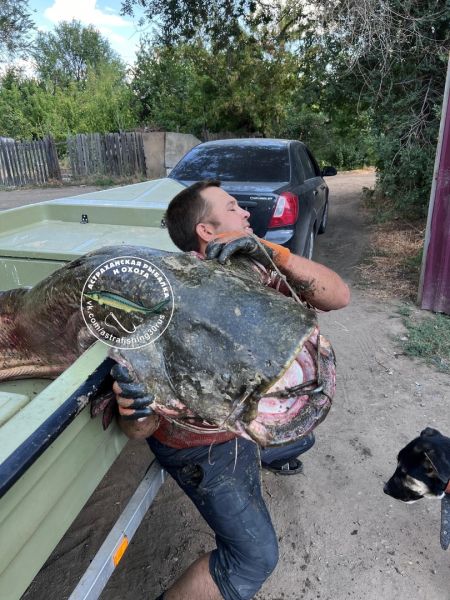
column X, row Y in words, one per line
column 164, row 149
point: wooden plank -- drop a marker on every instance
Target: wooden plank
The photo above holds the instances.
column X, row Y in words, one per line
column 55, row 159
column 48, row 157
column 76, row 157
column 141, row 152
column 112, row 163
column 17, row 165
column 124, row 153
column 70, row 155
column 80, row 155
column 43, row 160
column 2, row 167
column 30, row 163
column 35, row 159
column 43, row 163
column 5, row 165
column 20, row 178
column 12, row 163
column 101, row 152
column 26, row 163
column 140, row 160
column 107, row 157
column 118, row 154
column 23, row 159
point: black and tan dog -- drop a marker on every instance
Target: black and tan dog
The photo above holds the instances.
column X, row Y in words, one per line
column 423, row 469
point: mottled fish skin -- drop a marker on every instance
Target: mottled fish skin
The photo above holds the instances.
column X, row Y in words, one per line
column 229, row 340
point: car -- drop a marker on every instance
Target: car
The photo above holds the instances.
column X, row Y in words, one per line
column 278, row 181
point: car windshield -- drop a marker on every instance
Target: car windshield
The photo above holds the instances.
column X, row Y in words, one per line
column 235, row 163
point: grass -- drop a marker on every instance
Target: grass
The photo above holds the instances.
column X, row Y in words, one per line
column 427, row 337
column 392, row 265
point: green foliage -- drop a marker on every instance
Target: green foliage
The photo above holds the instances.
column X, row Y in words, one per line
column 215, row 21
column 190, row 88
column 29, row 109
column 429, row 339
column 70, row 52
column 391, row 59
column 15, row 28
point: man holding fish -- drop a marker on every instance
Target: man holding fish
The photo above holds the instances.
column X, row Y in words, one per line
column 219, row 471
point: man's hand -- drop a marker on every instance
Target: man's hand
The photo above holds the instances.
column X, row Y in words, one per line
column 132, row 398
column 260, row 250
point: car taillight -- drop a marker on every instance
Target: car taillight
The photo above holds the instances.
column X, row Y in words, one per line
column 286, row 210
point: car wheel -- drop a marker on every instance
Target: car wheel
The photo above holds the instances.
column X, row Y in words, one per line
column 324, row 221
column 309, row 246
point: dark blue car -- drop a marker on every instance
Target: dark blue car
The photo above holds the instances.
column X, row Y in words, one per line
column 277, row 181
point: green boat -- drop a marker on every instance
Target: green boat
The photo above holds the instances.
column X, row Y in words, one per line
column 52, row 453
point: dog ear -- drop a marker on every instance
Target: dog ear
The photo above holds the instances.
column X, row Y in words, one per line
column 429, row 432
column 439, row 461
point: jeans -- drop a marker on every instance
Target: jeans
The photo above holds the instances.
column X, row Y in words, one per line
column 224, row 483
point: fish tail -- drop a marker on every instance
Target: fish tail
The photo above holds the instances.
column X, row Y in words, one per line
column 158, row 307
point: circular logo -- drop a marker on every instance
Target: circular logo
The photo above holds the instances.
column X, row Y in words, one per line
column 127, row 302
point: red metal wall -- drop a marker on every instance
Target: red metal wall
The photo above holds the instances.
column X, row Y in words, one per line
column 435, row 292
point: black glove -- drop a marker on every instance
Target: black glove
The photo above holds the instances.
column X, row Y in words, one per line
column 222, row 251
column 135, row 391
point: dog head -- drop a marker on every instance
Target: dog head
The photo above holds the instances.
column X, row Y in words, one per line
column 423, row 469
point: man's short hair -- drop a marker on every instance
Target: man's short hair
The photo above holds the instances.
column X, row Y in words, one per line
column 185, row 211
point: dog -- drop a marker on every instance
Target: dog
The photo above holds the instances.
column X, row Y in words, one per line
column 423, row 469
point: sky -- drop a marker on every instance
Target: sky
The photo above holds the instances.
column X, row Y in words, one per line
column 122, row 32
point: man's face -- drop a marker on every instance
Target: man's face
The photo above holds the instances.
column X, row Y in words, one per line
column 225, row 214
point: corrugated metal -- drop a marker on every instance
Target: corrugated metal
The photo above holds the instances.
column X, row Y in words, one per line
column 435, row 280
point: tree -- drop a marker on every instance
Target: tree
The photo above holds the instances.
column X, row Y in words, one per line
column 193, row 88
column 217, row 22
column 15, row 28
column 68, row 53
column 28, row 109
column 391, row 57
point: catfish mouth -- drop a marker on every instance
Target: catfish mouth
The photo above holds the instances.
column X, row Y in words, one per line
column 280, row 420
column 276, row 419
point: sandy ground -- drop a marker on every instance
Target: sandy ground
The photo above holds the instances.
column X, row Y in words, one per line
column 340, row 536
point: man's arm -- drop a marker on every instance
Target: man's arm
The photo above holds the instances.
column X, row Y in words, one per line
column 319, row 286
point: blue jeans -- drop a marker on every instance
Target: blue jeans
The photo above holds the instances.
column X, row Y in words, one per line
column 224, row 483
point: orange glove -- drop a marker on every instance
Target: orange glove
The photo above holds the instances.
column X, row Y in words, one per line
column 281, row 254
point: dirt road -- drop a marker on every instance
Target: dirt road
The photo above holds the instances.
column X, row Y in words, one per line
column 340, row 536
column 16, row 198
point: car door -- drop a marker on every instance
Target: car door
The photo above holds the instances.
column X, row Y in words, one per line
column 314, row 186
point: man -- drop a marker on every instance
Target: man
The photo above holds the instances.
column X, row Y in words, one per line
column 220, row 472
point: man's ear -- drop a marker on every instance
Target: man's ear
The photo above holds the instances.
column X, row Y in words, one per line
column 205, row 232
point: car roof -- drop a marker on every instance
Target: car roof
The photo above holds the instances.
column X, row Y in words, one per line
column 247, row 142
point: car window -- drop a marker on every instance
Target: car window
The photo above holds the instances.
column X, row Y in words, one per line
column 235, row 163
column 314, row 163
column 298, row 164
column 308, row 166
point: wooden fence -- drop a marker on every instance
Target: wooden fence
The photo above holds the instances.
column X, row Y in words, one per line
column 27, row 163
column 117, row 154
